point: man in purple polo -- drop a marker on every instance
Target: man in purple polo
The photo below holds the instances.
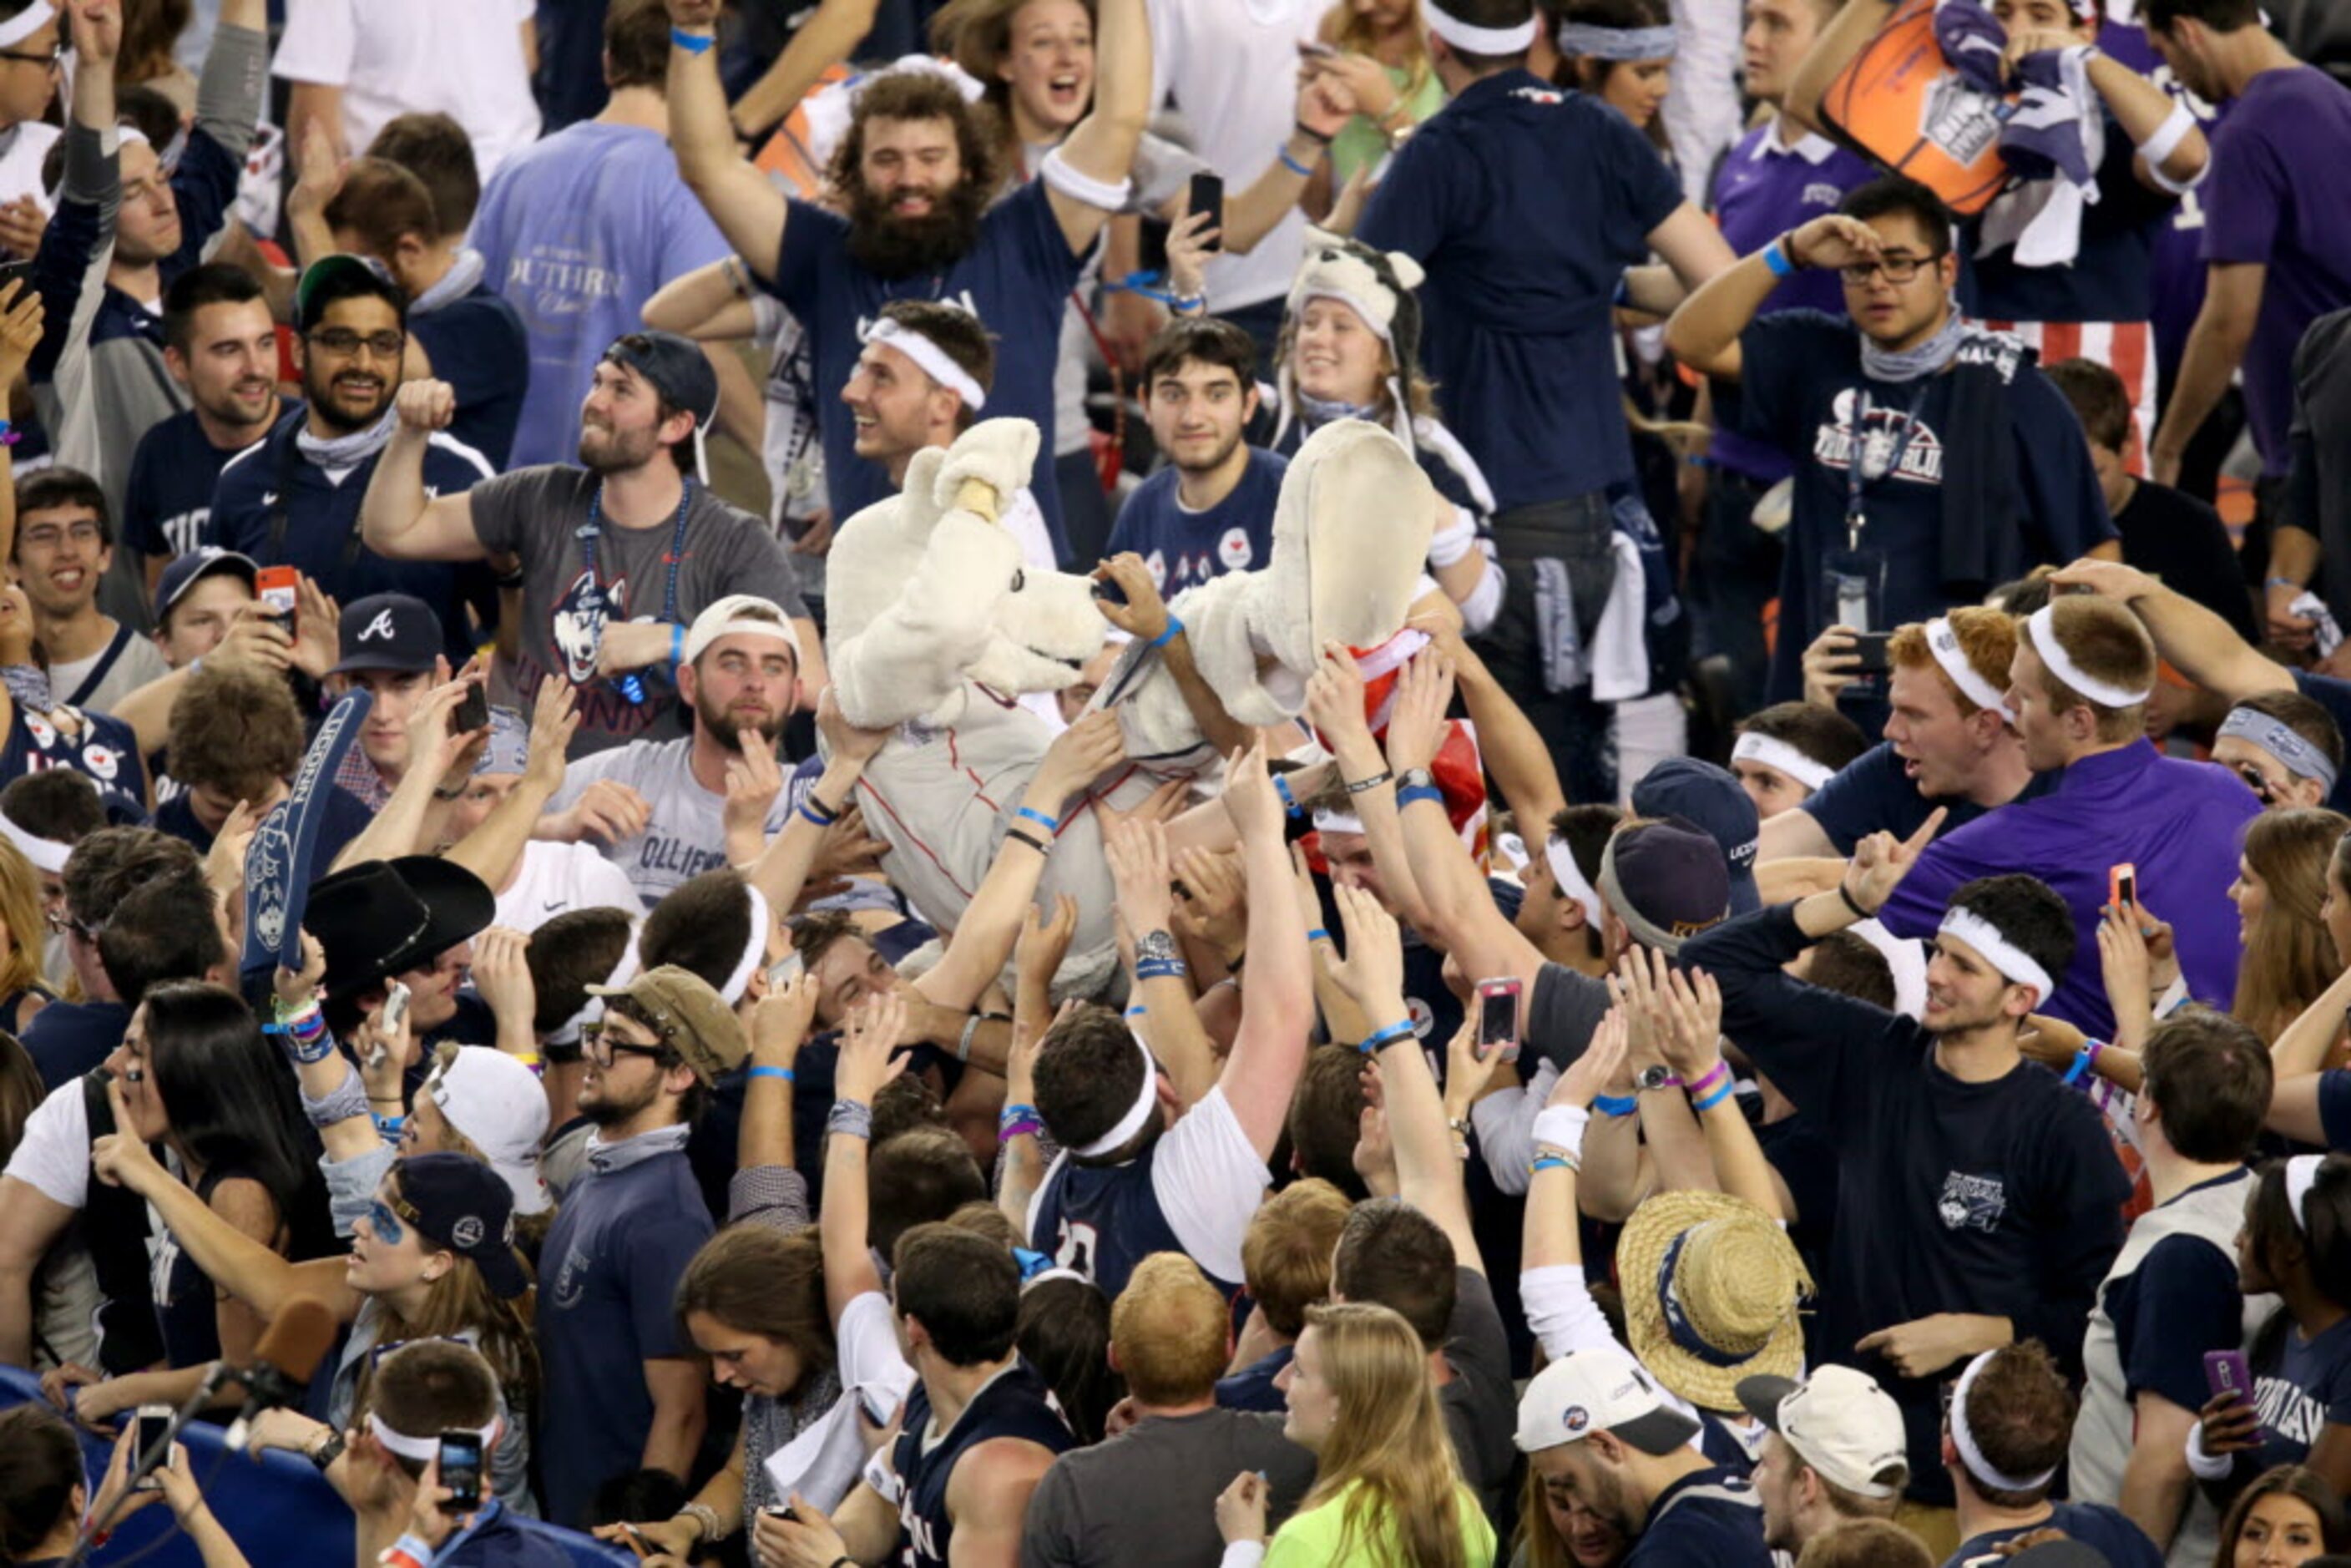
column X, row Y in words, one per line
column 2078, row 685
column 1776, row 177
column 2277, row 235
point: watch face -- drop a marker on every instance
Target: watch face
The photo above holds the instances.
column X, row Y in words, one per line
column 1155, row 944
column 1654, row 1077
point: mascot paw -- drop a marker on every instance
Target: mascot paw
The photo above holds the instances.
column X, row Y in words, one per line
column 995, row 454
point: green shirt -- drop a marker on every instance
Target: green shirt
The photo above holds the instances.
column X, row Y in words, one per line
column 1361, row 144
column 1310, row 1540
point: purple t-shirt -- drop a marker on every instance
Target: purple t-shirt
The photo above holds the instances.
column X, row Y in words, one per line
column 2280, row 194
column 1764, row 189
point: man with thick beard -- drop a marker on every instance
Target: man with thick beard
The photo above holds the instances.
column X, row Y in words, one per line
column 917, row 169
column 660, row 806
column 617, row 556
column 293, row 498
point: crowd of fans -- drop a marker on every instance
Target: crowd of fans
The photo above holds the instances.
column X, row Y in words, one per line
column 1860, row 1094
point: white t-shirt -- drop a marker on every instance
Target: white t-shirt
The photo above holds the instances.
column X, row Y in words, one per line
column 1208, row 1180
column 555, row 879
column 462, row 57
column 21, row 153
column 686, row 834
column 53, row 1156
column 1232, row 66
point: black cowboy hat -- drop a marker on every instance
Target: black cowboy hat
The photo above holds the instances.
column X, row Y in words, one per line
column 379, row 919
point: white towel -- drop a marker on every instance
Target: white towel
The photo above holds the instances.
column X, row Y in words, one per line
column 1619, row 654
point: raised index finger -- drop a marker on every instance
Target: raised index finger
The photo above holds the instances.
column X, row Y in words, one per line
column 1926, row 833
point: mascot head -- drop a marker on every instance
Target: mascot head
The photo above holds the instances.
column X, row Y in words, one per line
column 1376, row 286
column 1348, row 535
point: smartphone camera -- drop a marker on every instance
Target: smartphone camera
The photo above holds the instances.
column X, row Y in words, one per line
column 461, row 1470
column 154, row 1425
column 1497, row 1017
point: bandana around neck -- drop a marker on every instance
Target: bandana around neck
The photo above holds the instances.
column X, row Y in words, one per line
column 346, row 450
column 1911, row 364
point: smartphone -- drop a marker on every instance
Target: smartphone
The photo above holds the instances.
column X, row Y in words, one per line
column 395, row 1006
column 2122, row 887
column 275, row 585
column 472, row 710
column 2228, row 1372
column 1870, row 648
column 461, row 1470
column 1208, row 196
column 16, row 272
column 1497, row 1017
column 1315, row 49
column 645, row 1552
column 154, row 1421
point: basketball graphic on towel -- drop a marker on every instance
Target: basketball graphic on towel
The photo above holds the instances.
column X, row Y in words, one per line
column 1900, row 105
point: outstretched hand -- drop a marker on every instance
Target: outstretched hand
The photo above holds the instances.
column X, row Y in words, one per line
column 1881, row 860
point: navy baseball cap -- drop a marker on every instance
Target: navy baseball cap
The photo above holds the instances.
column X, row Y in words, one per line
column 1700, row 793
column 676, row 367
column 459, row 1202
column 192, row 567
column 1666, row 881
column 389, row 631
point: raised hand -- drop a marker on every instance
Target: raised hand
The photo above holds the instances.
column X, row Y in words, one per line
column 1077, row 756
column 1689, row 1010
column 1604, row 1057
column 1832, row 240
column 427, row 406
column 20, row 327
column 1145, row 614
column 1881, row 860
column 1214, row 902
column 1043, row 943
column 1334, row 696
column 1830, row 666
column 120, row 1158
column 502, row 976
column 318, row 629
column 2106, row 579
column 1187, row 262
column 781, row 1020
column 554, row 720
column 867, row 1042
column 1137, row 853
column 753, row 779
column 1372, row 972
column 842, row 739
column 296, row 989
column 1250, row 800
column 1416, row 725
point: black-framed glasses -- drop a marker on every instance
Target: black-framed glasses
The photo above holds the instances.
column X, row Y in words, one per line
column 343, row 341
column 1898, row 269
column 600, row 1045
column 2258, row 782
column 66, row 925
column 53, row 58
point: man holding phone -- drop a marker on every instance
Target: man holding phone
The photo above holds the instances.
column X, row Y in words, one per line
column 432, row 1405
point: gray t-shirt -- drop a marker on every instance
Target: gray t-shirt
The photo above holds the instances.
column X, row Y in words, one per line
column 1149, row 1495
column 1481, row 1405
column 686, row 834
column 1562, row 1014
column 537, row 513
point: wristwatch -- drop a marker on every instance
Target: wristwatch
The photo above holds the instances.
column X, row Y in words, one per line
column 1155, row 947
column 328, row 1452
column 1415, row 778
column 1656, row 1076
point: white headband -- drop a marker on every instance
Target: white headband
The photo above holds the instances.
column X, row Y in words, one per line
column 932, row 359
column 624, row 969
column 26, row 23
column 1145, row 1103
column 1777, row 754
column 1477, row 40
column 425, row 1450
column 1328, row 821
column 1964, row 1440
column 755, row 950
column 1616, row 43
column 2043, row 625
column 2013, row 962
column 46, row 854
column 2301, row 1176
column 1943, row 642
column 1570, row 878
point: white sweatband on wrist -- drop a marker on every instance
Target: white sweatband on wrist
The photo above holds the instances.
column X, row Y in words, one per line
column 2166, row 139
column 1060, row 175
column 1562, row 1127
column 2206, row 1467
column 1448, row 545
column 1243, row 1554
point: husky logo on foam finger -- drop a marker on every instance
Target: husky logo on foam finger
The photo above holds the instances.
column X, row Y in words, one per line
column 578, row 624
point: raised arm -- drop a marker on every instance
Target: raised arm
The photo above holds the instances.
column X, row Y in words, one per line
column 1428, row 1172
column 748, row 210
column 1145, row 615
column 1704, row 331
column 1510, row 746
column 1335, row 704
column 819, row 42
column 2197, row 643
column 1672, row 1149
column 1839, row 42
column 433, row 753
column 1278, row 1004
column 983, row 939
column 1101, row 149
column 764, row 1155
column 1169, row 1023
column 710, row 304
column 491, row 849
column 1689, row 1016
column 399, row 519
column 1043, row 944
column 865, row 1066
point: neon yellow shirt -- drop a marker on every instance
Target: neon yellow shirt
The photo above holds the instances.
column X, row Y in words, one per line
column 1310, row 1540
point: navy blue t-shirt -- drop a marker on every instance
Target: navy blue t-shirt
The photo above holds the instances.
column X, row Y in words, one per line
column 2182, row 1301
column 609, row 1277
column 1104, row 1220
column 1872, row 794
column 2300, row 1386
column 170, row 493
column 67, row 1039
column 2334, row 696
column 1251, row 1388
column 2107, row 1530
column 322, row 526
column 1801, row 388
column 1525, row 204
column 1689, row 1523
column 2110, row 278
column 478, row 345
column 105, row 752
column 1185, row 549
column 347, row 818
column 1016, row 1403
column 1017, row 280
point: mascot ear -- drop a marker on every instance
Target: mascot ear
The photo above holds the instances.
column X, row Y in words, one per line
column 1408, row 272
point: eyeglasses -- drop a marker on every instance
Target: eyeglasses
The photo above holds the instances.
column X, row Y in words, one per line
column 344, row 341
column 1898, row 269
column 66, row 925
column 598, row 1045
column 50, row 535
column 53, row 59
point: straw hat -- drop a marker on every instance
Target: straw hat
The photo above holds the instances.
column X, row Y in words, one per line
column 1734, row 1278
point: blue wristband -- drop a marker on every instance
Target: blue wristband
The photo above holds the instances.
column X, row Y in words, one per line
column 1042, row 821
column 1137, row 1010
column 1289, row 801
column 1161, row 969
column 1316, row 934
column 1615, row 1105
column 1549, row 1163
column 1388, row 1036
column 1716, row 1098
column 1168, row 633
column 809, row 816
column 1776, row 257
column 692, row 43
column 1304, row 171
column 763, row 1070
column 1419, row 792
column 2082, row 1060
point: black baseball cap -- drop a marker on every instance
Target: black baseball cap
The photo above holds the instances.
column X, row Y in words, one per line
column 676, row 367
column 185, row 572
column 1666, row 881
column 458, row 1202
column 389, row 631
column 1712, row 798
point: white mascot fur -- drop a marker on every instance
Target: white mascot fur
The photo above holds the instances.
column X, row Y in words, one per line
column 937, row 629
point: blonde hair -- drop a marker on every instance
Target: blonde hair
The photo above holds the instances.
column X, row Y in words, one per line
column 978, row 36
column 20, row 911
column 1171, row 1330
column 1389, row 1456
column 2289, row 959
column 1352, row 35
